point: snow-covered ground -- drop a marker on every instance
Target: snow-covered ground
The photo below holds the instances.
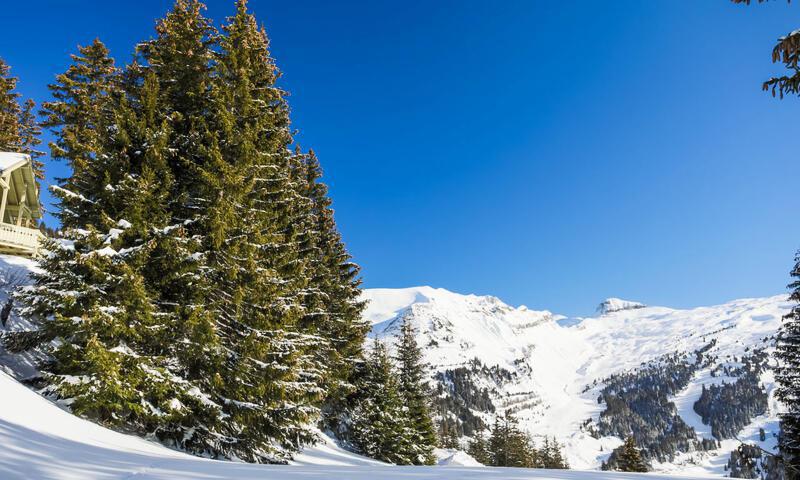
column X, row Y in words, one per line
column 554, row 359
column 40, row 441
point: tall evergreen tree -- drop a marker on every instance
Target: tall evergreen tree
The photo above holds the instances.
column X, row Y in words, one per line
column 415, row 392
column 19, row 129
column 29, row 132
column 81, row 104
column 252, row 249
column 332, row 295
column 110, row 359
column 787, row 373
column 9, row 109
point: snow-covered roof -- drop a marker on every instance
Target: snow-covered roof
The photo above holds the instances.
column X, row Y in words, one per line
column 12, row 161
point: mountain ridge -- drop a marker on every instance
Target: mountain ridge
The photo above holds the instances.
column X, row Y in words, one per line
column 550, row 370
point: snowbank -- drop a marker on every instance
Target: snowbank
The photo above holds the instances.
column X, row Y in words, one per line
column 40, row 441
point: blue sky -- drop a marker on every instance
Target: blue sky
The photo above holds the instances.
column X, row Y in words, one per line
column 549, row 153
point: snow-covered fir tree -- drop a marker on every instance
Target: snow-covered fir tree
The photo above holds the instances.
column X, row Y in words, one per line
column 478, row 448
column 509, row 446
column 332, row 295
column 416, row 393
column 29, row 132
column 380, row 427
column 79, row 109
column 626, row 458
column 787, row 373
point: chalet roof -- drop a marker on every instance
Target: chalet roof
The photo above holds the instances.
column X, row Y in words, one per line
column 12, row 161
column 17, row 168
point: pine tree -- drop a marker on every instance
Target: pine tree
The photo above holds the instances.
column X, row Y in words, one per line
column 498, row 443
column 415, row 392
column 9, row 109
column 550, row 455
column 110, row 360
column 380, row 425
column 629, row 459
column 448, row 434
column 143, row 335
column 81, row 103
column 19, row 129
column 478, row 448
column 787, row 373
column 333, row 294
column 509, row 446
column 519, row 448
column 260, row 277
column 785, row 51
column 29, row 132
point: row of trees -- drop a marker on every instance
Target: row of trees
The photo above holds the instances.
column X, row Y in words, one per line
column 202, row 294
column 509, row 446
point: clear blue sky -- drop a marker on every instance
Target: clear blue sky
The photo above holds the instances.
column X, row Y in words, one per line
column 549, row 153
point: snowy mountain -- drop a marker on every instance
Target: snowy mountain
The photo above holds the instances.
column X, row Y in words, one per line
column 554, row 372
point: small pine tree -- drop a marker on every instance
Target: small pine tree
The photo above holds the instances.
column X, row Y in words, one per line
column 629, row 459
column 498, row 443
column 478, row 448
column 551, row 455
column 414, row 390
column 509, row 446
column 448, row 434
column 380, row 425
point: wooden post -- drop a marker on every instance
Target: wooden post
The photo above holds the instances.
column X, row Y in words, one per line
column 21, row 211
column 3, row 201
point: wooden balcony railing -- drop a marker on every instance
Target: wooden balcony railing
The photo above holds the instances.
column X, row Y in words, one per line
column 19, row 240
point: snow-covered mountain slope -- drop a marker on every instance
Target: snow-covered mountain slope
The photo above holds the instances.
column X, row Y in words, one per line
column 555, row 367
column 42, row 442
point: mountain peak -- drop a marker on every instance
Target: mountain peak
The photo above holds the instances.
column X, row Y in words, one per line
column 610, row 305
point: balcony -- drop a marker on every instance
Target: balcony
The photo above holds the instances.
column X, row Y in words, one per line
column 17, row 240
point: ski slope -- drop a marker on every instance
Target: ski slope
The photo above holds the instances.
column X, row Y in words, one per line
column 38, row 440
